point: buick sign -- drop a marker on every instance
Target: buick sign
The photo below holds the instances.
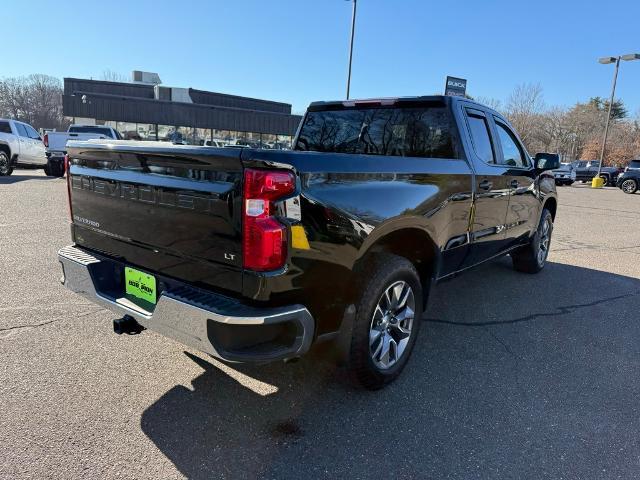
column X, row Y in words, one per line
column 455, row 87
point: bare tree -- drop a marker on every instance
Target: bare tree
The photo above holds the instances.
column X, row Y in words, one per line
column 36, row 99
column 490, row 102
column 112, row 76
column 523, row 106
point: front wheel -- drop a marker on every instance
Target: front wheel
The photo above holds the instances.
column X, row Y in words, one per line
column 5, row 165
column 629, row 186
column 388, row 318
column 532, row 257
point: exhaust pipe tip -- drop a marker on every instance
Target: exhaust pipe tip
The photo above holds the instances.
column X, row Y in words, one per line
column 128, row 325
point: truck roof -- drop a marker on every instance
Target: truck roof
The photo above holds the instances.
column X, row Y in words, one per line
column 387, row 101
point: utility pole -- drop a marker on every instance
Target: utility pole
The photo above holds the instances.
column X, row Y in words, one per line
column 606, row 125
column 606, row 60
column 353, row 31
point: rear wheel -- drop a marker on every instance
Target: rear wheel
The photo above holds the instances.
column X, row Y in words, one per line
column 629, row 186
column 606, row 180
column 533, row 257
column 388, row 318
column 5, row 165
column 54, row 168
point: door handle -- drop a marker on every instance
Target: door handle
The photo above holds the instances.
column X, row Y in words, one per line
column 514, row 184
column 485, row 185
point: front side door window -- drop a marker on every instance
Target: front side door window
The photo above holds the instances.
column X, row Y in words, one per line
column 512, row 153
column 33, row 134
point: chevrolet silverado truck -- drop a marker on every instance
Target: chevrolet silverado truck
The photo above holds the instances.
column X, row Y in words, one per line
column 255, row 255
column 20, row 145
column 56, row 143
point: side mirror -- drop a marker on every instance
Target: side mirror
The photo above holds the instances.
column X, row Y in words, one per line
column 547, row 161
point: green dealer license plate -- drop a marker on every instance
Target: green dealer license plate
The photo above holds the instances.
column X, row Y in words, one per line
column 139, row 284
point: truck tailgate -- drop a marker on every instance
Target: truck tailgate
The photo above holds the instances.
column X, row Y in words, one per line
column 166, row 209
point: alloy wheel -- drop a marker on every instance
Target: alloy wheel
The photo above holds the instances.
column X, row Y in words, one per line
column 4, row 164
column 544, row 241
column 629, row 186
column 391, row 325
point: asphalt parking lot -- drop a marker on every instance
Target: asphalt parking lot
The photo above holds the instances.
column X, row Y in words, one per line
column 513, row 376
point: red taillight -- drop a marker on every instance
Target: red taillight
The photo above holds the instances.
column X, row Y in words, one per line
column 264, row 245
column 66, row 170
column 45, row 140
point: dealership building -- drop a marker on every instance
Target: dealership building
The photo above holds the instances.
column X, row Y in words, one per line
column 144, row 109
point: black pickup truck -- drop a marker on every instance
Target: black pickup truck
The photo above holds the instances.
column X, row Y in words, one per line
column 586, row 170
column 254, row 255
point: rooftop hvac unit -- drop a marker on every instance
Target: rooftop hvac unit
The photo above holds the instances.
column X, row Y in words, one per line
column 147, row 78
column 172, row 94
column 162, row 93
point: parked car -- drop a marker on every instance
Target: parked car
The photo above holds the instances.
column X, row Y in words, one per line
column 629, row 181
column 339, row 239
column 56, row 143
column 214, row 143
column 562, row 175
column 20, row 144
column 586, row 170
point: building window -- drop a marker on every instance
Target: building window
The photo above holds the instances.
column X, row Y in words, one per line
column 268, row 140
column 201, row 135
column 129, row 131
column 283, row 142
column 147, row 131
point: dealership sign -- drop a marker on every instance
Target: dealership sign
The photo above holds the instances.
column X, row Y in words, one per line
column 455, row 87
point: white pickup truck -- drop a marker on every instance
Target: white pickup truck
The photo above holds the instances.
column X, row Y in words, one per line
column 56, row 143
column 20, row 144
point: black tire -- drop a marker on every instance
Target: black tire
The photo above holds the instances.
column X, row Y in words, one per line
column 54, row 168
column 382, row 273
column 606, row 180
column 5, row 164
column 629, row 185
column 528, row 259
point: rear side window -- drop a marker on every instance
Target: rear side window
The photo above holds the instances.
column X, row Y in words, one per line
column 403, row 132
column 21, row 130
column 480, row 137
column 5, row 127
column 634, row 164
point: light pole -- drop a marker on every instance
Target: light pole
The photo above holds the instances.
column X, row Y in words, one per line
column 353, row 31
column 616, row 60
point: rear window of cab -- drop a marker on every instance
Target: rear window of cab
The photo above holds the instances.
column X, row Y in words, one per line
column 407, row 132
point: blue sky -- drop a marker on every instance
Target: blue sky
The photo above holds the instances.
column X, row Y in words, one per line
column 296, row 51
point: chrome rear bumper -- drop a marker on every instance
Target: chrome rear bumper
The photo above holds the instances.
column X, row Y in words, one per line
column 212, row 323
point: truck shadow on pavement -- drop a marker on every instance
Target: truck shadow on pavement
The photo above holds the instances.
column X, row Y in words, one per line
column 22, row 178
column 513, row 375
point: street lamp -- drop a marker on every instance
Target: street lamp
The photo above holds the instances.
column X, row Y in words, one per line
column 605, row 61
column 353, row 31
